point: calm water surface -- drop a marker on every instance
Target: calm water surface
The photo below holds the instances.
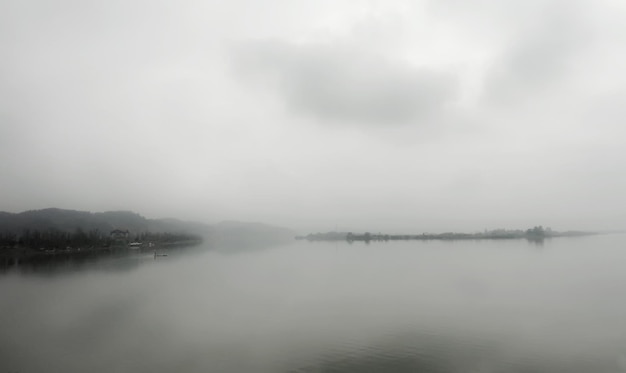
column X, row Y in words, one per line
column 406, row 306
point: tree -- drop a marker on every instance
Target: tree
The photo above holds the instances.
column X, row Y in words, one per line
column 536, row 231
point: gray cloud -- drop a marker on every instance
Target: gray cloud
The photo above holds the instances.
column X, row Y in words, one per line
column 340, row 84
column 511, row 111
column 539, row 55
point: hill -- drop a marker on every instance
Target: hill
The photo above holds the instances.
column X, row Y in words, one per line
column 55, row 219
column 226, row 234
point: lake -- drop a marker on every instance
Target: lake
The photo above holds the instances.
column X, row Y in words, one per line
column 401, row 306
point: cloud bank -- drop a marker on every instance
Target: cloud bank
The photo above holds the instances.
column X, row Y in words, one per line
column 340, row 84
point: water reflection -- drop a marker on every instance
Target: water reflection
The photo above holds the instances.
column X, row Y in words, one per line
column 463, row 306
column 64, row 263
column 537, row 241
column 434, row 354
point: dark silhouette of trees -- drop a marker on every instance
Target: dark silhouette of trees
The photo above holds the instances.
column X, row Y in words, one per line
column 79, row 238
column 536, row 231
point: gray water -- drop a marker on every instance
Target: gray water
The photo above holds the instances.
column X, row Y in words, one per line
column 405, row 306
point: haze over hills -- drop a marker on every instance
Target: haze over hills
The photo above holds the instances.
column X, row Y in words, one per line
column 229, row 233
column 70, row 220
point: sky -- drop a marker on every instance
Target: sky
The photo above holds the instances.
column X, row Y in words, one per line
column 395, row 116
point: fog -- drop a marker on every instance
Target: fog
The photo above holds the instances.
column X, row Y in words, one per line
column 382, row 115
column 335, row 306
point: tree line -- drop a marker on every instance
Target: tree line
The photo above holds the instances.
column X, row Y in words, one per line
column 57, row 239
column 534, row 233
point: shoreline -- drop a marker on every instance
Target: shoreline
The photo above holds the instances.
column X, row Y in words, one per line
column 530, row 235
column 11, row 257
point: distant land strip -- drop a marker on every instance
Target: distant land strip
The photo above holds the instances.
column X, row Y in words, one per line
column 60, row 235
column 536, row 233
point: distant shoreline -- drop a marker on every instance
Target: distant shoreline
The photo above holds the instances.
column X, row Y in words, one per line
column 16, row 256
column 537, row 233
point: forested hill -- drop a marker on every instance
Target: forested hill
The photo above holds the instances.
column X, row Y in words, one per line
column 71, row 220
column 101, row 224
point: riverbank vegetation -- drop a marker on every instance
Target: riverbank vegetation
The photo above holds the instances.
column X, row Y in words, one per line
column 53, row 234
column 534, row 233
column 38, row 246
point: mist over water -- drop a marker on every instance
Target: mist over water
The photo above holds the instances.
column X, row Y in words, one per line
column 403, row 117
column 404, row 306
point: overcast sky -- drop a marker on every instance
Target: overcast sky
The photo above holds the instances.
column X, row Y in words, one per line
column 357, row 115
